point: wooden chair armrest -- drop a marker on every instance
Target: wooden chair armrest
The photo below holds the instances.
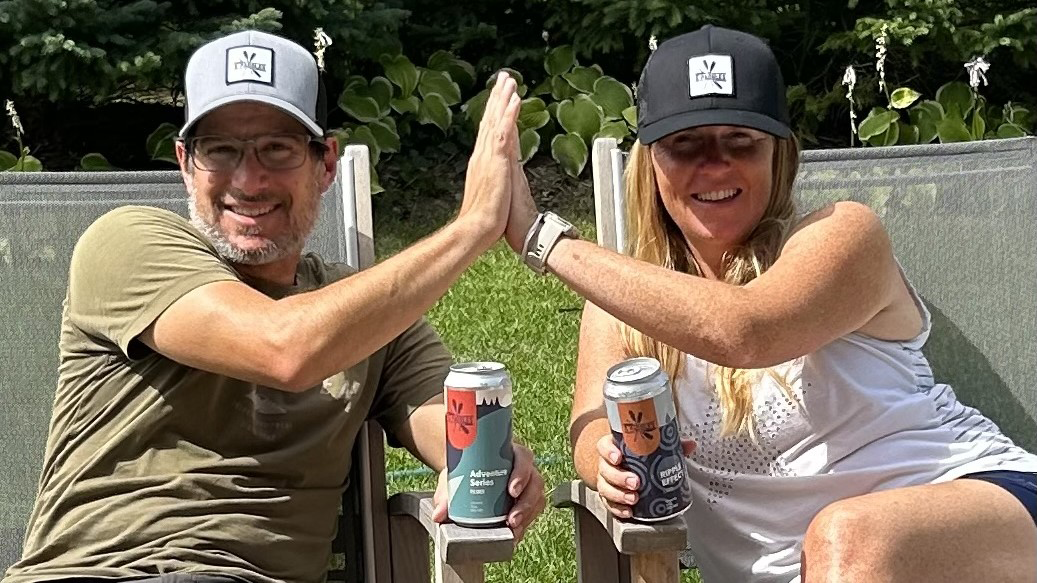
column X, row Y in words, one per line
column 457, row 544
column 630, row 538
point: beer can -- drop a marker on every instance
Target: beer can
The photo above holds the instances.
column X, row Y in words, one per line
column 643, row 418
column 479, row 451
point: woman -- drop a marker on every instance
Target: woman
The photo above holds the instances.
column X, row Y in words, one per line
column 819, row 446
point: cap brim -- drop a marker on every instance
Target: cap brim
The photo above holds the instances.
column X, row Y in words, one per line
column 284, row 106
column 712, row 117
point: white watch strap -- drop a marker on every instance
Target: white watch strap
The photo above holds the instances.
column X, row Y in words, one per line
column 542, row 238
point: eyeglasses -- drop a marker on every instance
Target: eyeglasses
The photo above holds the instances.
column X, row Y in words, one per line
column 274, row 151
column 695, row 145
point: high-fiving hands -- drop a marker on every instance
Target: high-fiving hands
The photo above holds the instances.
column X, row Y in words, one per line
column 497, row 196
column 487, row 191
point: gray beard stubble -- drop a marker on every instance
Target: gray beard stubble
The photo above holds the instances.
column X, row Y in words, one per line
column 275, row 249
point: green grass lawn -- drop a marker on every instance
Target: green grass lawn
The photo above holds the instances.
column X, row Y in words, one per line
column 499, row 310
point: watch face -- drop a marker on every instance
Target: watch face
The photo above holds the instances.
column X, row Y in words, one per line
column 568, row 228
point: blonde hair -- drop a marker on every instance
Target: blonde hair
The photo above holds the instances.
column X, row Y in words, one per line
column 654, row 237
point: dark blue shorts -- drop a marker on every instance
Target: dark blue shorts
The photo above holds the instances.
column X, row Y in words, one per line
column 1022, row 485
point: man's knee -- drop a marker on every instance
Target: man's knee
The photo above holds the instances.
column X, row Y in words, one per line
column 844, row 542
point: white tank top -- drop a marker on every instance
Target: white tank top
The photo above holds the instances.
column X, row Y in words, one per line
column 866, row 416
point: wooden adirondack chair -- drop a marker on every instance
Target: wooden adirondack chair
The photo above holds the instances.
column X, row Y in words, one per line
column 946, row 206
column 379, row 540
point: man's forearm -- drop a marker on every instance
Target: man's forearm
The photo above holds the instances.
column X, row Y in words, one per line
column 339, row 325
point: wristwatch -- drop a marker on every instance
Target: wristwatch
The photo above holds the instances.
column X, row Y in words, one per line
column 542, row 237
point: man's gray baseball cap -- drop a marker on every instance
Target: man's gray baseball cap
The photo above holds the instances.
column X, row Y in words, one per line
column 259, row 67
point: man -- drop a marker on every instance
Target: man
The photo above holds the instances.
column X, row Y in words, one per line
column 213, row 378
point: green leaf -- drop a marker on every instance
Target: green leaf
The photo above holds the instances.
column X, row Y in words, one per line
column 7, row 160
column 363, row 135
column 956, row 96
column 909, row 134
column 544, row 88
column 613, row 97
column 887, row 138
column 381, row 91
column 529, row 143
column 561, row 89
column 570, row 151
column 385, row 135
column 161, row 143
column 877, row 123
column 925, row 123
column 353, row 81
column 435, row 110
column 580, row 116
column 951, row 129
column 630, row 115
column 613, row 129
column 979, row 125
column 462, row 72
column 440, row 83
column 409, row 104
column 474, row 107
column 582, row 78
column 1010, row 130
column 931, row 109
column 903, row 97
column 362, row 108
column 533, row 114
column 559, row 60
column 28, row 163
column 1017, row 114
column 94, row 162
column 402, row 73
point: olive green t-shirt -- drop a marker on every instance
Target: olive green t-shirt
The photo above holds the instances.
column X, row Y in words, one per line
column 153, row 467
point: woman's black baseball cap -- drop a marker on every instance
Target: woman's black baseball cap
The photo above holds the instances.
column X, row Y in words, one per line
column 713, row 76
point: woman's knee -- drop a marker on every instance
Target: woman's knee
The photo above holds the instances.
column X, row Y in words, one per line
column 843, row 539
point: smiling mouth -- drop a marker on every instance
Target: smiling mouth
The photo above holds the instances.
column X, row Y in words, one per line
column 717, row 195
column 251, row 211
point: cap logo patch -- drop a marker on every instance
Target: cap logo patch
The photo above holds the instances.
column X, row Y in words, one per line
column 250, row 63
column 711, row 75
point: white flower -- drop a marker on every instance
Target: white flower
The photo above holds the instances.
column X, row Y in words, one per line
column 976, row 68
column 850, row 80
column 653, row 43
column 544, row 35
column 321, row 41
column 15, row 121
column 880, row 56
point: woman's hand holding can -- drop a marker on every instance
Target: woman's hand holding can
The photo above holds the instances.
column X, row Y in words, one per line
column 616, row 486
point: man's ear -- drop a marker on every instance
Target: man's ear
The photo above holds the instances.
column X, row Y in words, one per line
column 186, row 168
column 330, row 162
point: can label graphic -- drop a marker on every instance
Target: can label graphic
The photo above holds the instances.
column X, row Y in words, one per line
column 479, row 450
column 644, row 426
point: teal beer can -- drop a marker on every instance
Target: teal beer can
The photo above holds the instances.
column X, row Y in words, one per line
column 478, row 451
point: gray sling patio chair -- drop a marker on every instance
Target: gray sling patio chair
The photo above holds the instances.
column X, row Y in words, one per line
column 963, row 219
column 42, row 216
